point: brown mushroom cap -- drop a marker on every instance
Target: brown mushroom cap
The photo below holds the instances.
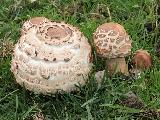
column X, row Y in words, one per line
column 142, row 59
column 56, row 33
column 33, row 22
column 53, row 57
column 111, row 41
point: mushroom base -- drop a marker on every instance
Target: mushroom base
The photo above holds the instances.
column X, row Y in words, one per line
column 115, row 65
column 56, row 88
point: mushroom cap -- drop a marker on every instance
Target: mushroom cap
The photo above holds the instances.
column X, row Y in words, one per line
column 33, row 22
column 142, row 59
column 52, row 58
column 112, row 41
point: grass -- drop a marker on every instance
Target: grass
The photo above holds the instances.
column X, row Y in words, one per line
column 139, row 17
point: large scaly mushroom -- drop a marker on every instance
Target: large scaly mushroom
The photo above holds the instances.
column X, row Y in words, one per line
column 53, row 57
column 113, row 43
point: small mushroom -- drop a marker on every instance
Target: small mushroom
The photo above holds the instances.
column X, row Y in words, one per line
column 53, row 64
column 33, row 22
column 142, row 60
column 113, row 43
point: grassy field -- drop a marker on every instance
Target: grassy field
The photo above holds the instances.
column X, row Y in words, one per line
column 107, row 102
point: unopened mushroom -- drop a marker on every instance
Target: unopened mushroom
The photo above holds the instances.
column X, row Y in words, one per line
column 33, row 22
column 113, row 43
column 54, row 57
column 142, row 60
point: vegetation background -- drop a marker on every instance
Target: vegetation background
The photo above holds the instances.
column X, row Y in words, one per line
column 116, row 98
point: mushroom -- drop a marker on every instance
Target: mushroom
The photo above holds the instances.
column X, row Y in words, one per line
column 142, row 60
column 33, row 22
column 113, row 43
column 53, row 57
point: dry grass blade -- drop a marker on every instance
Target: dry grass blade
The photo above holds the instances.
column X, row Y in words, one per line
column 38, row 116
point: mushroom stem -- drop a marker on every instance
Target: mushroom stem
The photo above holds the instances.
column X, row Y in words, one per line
column 115, row 65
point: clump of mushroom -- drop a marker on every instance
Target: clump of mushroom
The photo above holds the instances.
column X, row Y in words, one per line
column 51, row 57
column 113, row 43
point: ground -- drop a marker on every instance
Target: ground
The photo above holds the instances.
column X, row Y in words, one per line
column 110, row 101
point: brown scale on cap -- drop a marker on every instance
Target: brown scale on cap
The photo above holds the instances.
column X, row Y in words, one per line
column 33, row 22
column 55, row 33
column 142, row 60
column 113, row 43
